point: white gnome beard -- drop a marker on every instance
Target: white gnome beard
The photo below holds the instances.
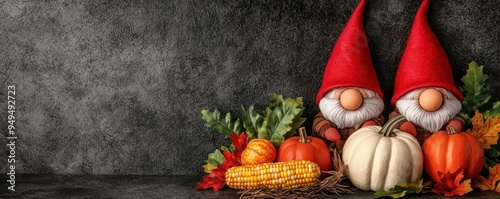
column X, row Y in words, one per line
column 432, row 121
column 332, row 110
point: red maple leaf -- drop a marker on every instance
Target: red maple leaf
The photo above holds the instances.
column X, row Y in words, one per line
column 240, row 143
column 217, row 178
column 450, row 185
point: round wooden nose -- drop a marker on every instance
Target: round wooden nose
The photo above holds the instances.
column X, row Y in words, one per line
column 430, row 99
column 351, row 99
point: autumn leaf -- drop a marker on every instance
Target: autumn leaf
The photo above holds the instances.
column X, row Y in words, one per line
column 240, row 143
column 494, row 111
column 208, row 168
column 492, row 180
column 450, row 185
column 399, row 191
column 494, row 177
column 224, row 124
column 217, row 178
column 393, row 192
column 485, row 131
column 216, row 158
column 481, row 183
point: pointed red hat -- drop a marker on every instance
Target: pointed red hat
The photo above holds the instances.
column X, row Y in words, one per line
column 350, row 63
column 424, row 62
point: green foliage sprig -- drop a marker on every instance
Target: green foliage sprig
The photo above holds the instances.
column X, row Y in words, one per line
column 278, row 121
column 476, row 93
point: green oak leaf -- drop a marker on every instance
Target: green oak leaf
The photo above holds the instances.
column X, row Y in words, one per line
column 276, row 100
column 393, row 194
column 494, row 111
column 252, row 121
column 278, row 121
column 401, row 191
column 491, row 156
column 216, row 158
column 475, row 89
column 224, row 125
column 298, row 120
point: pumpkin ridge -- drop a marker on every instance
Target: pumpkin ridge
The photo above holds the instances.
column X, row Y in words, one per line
column 441, row 152
column 393, row 154
column 289, row 144
column 370, row 165
column 466, row 148
column 415, row 162
column 453, row 141
column 319, row 155
column 386, row 168
column 471, row 152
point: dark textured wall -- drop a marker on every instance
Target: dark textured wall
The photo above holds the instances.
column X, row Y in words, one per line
column 116, row 87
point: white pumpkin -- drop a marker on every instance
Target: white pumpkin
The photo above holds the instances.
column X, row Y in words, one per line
column 379, row 158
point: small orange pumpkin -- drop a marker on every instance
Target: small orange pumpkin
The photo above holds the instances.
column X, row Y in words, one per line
column 447, row 151
column 258, row 151
column 306, row 148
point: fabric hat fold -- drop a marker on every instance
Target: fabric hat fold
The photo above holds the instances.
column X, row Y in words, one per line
column 424, row 62
column 350, row 64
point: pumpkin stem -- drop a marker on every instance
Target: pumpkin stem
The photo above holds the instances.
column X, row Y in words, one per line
column 388, row 129
column 303, row 135
column 451, row 130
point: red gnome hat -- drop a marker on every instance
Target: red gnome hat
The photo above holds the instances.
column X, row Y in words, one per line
column 350, row 63
column 424, row 62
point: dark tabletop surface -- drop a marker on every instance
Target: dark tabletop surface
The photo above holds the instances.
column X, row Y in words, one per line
column 114, row 186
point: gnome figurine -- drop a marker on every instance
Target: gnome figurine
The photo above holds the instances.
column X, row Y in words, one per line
column 424, row 91
column 350, row 96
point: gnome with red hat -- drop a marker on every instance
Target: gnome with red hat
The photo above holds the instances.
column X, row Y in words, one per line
column 424, row 91
column 350, row 96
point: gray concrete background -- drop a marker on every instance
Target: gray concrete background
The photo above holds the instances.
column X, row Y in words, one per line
column 117, row 87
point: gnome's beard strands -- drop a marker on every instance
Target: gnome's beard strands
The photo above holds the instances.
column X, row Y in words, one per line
column 331, row 108
column 409, row 107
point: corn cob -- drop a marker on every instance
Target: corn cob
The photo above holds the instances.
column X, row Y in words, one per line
column 292, row 174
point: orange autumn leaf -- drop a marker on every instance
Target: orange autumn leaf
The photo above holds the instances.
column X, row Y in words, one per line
column 481, row 183
column 450, row 185
column 494, row 177
column 492, row 180
column 485, row 131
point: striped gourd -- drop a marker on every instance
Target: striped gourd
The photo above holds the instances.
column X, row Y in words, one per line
column 291, row 174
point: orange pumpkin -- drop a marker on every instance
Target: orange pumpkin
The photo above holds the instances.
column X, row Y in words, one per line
column 258, row 151
column 448, row 151
column 306, row 148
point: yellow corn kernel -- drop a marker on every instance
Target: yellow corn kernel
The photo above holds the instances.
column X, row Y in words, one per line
column 295, row 173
